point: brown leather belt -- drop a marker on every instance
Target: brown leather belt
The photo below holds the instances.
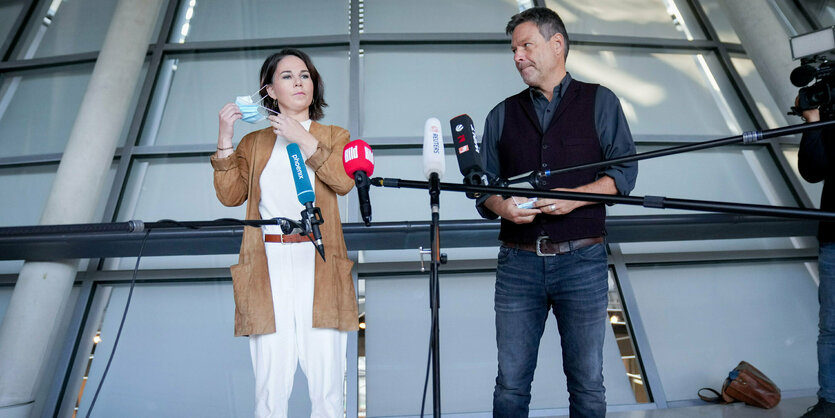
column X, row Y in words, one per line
column 287, row 239
column 545, row 247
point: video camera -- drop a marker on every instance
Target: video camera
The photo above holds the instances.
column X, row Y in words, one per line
column 814, row 50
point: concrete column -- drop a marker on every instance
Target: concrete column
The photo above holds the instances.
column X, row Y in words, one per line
column 43, row 288
column 767, row 44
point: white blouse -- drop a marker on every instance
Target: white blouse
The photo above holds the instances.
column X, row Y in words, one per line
column 278, row 190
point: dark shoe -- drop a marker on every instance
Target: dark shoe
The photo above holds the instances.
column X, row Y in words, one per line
column 822, row 409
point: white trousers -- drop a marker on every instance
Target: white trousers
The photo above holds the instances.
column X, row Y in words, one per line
column 321, row 352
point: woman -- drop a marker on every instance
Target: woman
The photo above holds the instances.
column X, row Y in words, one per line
column 293, row 305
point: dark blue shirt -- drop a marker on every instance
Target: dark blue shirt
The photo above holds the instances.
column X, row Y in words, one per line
column 612, row 131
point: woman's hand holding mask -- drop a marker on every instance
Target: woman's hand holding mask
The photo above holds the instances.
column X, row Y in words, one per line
column 294, row 132
column 227, row 116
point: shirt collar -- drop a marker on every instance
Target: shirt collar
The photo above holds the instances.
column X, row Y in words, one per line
column 559, row 89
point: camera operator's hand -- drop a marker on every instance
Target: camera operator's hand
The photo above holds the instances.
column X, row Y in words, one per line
column 810, row 115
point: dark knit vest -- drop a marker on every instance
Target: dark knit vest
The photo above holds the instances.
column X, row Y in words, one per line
column 571, row 139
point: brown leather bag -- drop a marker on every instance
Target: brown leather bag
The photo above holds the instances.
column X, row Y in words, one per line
column 747, row 384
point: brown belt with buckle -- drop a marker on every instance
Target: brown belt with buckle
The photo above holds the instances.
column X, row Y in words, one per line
column 545, row 247
column 287, row 239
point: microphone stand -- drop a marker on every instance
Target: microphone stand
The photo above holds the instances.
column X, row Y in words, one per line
column 434, row 292
column 536, row 178
column 657, row 202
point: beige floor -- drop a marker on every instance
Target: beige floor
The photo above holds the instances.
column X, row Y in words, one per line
column 788, row 408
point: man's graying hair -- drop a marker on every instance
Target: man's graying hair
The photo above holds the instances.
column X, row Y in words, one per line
column 546, row 20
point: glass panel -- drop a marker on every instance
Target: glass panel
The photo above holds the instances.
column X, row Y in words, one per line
column 71, row 27
column 192, row 89
column 746, row 175
column 10, row 266
column 150, row 195
column 655, row 88
column 438, row 81
column 400, row 204
column 646, row 18
column 824, row 10
column 718, row 16
column 485, row 255
column 718, row 314
column 813, row 190
column 718, row 245
column 38, row 110
column 651, row 18
column 659, row 91
column 728, row 174
column 774, row 115
column 619, row 320
column 795, row 20
column 26, row 190
column 172, row 332
column 29, row 187
column 395, row 204
column 5, row 297
column 212, row 20
column 396, row 360
column 404, row 16
column 9, row 12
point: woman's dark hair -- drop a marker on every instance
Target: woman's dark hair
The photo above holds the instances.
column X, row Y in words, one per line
column 268, row 71
column 546, row 20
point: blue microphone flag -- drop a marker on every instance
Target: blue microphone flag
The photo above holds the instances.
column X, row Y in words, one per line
column 303, row 188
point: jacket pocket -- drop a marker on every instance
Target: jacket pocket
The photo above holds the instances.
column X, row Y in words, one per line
column 343, row 268
column 241, row 279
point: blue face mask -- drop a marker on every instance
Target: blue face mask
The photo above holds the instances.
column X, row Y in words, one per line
column 251, row 108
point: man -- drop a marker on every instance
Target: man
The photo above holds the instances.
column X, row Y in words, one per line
column 816, row 161
column 553, row 256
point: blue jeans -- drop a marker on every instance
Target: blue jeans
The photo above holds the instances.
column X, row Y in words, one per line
column 574, row 285
column 826, row 336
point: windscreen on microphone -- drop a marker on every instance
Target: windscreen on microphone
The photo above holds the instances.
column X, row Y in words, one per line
column 303, row 188
column 358, row 160
column 801, row 76
column 433, row 149
column 465, row 144
column 357, row 156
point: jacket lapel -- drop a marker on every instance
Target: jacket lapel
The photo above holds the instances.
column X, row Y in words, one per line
column 262, row 150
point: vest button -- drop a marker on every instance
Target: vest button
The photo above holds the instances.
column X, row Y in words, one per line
column 544, row 165
column 544, row 146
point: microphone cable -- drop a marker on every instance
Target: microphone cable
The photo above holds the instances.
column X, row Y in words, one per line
column 428, row 364
column 121, row 324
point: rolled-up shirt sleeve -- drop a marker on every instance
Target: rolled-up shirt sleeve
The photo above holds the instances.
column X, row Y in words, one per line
column 615, row 140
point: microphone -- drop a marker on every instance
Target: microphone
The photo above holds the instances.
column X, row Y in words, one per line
column 433, row 149
column 465, row 144
column 358, row 161
column 433, row 161
column 311, row 215
column 801, row 76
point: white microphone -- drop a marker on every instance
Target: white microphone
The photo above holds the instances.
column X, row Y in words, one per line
column 433, row 149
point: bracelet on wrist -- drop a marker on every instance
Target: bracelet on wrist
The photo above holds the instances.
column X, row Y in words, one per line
column 223, row 149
